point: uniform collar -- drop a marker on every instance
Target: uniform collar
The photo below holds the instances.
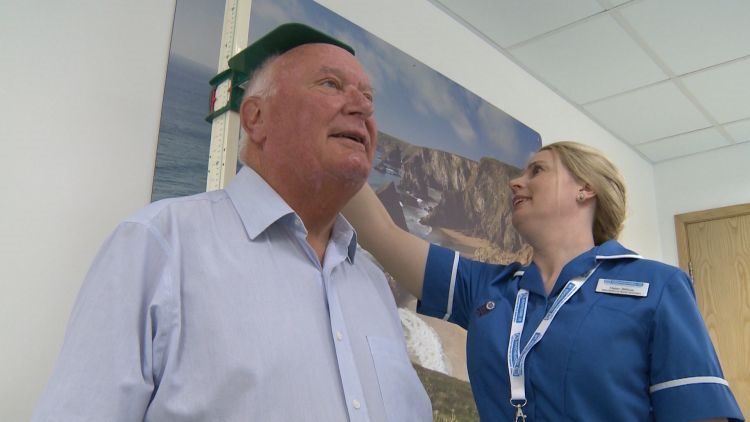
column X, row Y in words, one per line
column 612, row 249
column 248, row 190
column 609, row 250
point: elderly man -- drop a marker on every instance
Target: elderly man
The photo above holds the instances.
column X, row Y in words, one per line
column 250, row 303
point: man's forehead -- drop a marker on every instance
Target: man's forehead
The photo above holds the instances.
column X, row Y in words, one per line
column 363, row 82
column 346, row 67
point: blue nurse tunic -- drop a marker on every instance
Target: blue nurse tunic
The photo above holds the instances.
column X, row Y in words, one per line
column 608, row 355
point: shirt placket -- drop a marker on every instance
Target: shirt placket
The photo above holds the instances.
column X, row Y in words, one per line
column 356, row 406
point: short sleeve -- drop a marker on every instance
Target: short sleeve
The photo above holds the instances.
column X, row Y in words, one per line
column 687, row 382
column 452, row 284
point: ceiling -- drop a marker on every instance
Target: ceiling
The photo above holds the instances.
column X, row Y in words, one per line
column 669, row 77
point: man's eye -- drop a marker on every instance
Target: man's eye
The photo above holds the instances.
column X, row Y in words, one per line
column 330, row 83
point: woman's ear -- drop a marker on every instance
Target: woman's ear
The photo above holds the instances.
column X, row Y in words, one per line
column 585, row 192
column 251, row 119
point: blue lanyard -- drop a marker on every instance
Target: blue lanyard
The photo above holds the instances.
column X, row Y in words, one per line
column 516, row 356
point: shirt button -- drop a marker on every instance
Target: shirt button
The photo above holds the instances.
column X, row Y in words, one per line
column 356, row 404
column 339, row 336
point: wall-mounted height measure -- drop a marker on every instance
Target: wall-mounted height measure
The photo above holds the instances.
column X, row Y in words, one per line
column 225, row 122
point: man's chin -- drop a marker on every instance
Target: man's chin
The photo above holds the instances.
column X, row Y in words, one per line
column 354, row 177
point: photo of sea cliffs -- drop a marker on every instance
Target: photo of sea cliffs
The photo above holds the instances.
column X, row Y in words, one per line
column 458, row 202
column 453, row 201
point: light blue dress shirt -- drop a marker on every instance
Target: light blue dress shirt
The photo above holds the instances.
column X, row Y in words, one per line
column 213, row 307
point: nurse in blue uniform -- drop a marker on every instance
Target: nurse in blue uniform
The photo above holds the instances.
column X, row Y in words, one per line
column 589, row 330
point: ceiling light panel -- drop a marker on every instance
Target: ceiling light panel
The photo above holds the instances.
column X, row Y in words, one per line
column 740, row 131
column 589, row 61
column 508, row 22
column 724, row 91
column 692, row 34
column 681, row 145
column 649, row 113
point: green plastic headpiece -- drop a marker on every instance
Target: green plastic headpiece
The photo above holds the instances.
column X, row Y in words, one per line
column 242, row 65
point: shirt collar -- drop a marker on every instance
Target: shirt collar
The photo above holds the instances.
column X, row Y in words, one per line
column 248, row 189
column 344, row 234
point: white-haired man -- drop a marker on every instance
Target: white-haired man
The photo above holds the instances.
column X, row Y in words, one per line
column 249, row 304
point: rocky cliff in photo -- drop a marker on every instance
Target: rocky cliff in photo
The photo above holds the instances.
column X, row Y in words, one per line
column 473, row 197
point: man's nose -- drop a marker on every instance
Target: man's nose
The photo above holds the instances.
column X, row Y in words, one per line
column 359, row 103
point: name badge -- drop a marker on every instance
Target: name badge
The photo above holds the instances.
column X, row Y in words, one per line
column 622, row 287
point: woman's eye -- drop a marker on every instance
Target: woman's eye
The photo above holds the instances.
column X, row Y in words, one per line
column 535, row 170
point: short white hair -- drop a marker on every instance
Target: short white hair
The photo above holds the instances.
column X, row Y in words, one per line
column 261, row 84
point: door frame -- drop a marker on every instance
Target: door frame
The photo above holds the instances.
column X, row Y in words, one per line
column 681, row 222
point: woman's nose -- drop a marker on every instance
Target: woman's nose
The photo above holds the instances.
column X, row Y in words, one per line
column 515, row 184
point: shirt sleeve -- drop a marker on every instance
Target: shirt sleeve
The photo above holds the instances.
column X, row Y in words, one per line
column 105, row 370
column 687, row 382
column 452, row 283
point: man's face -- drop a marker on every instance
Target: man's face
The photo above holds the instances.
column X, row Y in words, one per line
column 318, row 122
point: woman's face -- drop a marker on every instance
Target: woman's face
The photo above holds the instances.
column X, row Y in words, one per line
column 545, row 193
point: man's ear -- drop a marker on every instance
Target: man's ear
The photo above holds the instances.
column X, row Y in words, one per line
column 251, row 119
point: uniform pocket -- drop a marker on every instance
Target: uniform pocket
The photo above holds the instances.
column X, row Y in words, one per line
column 403, row 395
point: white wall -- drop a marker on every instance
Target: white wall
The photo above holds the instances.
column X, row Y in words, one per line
column 716, row 179
column 426, row 33
column 81, row 83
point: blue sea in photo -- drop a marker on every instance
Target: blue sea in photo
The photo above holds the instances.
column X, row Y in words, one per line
column 184, row 134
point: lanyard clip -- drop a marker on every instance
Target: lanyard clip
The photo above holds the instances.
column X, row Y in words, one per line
column 520, row 416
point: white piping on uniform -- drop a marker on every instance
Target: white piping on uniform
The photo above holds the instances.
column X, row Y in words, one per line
column 687, row 381
column 619, row 256
column 449, row 309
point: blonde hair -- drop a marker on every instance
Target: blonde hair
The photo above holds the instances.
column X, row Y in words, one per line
column 590, row 166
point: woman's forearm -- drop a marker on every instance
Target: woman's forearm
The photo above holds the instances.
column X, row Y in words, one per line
column 401, row 253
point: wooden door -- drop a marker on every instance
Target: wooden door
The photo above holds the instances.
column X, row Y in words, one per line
column 714, row 247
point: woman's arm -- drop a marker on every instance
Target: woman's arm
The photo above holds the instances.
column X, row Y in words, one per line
column 401, row 253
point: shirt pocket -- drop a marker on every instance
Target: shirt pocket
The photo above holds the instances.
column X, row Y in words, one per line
column 404, row 397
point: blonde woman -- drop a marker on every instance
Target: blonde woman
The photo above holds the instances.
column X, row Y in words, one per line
column 589, row 330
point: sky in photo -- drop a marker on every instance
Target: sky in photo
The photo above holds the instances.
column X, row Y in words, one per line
column 413, row 102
